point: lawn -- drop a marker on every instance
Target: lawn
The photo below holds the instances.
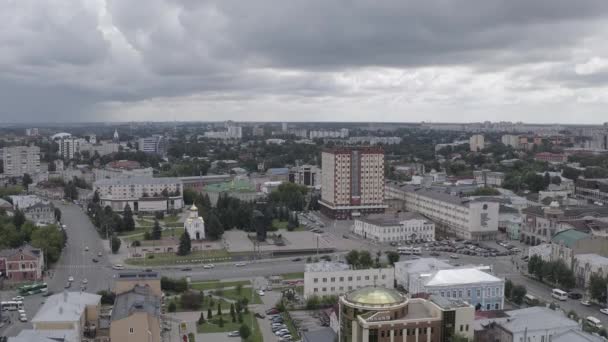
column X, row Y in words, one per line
column 276, row 225
column 216, row 284
column 296, row 275
column 173, row 259
column 171, row 232
column 245, row 293
column 212, row 327
column 144, row 223
column 137, row 231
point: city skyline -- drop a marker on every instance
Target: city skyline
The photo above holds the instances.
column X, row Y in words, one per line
column 396, row 61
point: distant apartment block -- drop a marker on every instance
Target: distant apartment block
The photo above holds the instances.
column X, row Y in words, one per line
column 476, row 143
column 551, row 157
column 308, row 175
column 510, row 140
column 19, row 160
column 473, row 219
column 231, row 132
column 375, row 140
column 121, row 169
column 489, row 178
column 142, row 194
column 341, row 133
column 398, row 227
column 31, row 132
column 353, row 181
column 155, row 144
column 334, row 278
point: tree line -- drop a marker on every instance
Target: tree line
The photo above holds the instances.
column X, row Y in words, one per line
column 553, row 272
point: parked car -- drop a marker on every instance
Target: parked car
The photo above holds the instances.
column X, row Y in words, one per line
column 454, row 256
column 604, row 311
column 186, row 269
column 18, row 299
column 259, row 315
column 261, row 293
column 68, row 285
column 47, row 294
column 575, row 295
column 84, row 281
column 99, row 254
column 95, row 260
column 118, row 267
column 23, row 318
column 240, row 264
column 208, row 266
column 70, row 279
column 585, row 302
column 272, row 311
column 234, row 334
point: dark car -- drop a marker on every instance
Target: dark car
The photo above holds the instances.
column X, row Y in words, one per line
column 95, row 260
column 296, row 259
column 185, row 269
column 575, row 295
column 259, row 315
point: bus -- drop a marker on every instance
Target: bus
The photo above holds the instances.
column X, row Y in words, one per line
column 559, row 294
column 32, row 289
column 11, row 305
column 404, row 250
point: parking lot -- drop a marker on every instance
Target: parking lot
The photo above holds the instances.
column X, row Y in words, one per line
column 307, row 320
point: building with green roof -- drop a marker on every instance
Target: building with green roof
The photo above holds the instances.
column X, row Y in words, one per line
column 569, row 243
column 237, row 188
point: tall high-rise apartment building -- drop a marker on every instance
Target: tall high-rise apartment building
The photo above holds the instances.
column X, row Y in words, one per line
column 352, row 181
column 19, row 160
column 154, row 144
column 476, row 143
column 69, row 146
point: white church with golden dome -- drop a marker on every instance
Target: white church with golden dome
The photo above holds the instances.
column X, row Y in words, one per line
column 194, row 224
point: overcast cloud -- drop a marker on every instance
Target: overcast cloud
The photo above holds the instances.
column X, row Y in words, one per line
column 336, row 60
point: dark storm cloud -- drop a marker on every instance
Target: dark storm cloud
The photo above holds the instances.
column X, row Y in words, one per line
column 72, row 55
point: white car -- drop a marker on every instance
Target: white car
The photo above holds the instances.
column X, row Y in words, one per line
column 84, row 281
column 18, row 299
column 23, row 318
column 261, row 293
column 240, row 264
column 604, row 311
column 208, row 266
column 71, row 279
column 118, row 267
column 585, row 302
column 86, row 248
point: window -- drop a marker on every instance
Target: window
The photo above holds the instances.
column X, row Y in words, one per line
column 325, row 280
column 487, row 306
column 315, row 290
column 496, row 306
column 358, row 277
column 454, row 293
column 350, row 278
column 316, row 280
column 333, row 289
column 469, row 293
column 459, row 293
column 478, row 293
column 542, row 339
column 466, row 328
column 341, row 278
column 333, row 280
column 325, row 290
column 131, row 331
column 461, row 327
column 366, row 277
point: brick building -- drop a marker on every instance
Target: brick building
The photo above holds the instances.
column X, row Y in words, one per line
column 22, row 264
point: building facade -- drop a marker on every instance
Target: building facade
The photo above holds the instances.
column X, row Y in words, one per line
column 332, row 278
column 568, row 244
column 407, row 270
column 353, row 182
column 25, row 263
column 592, row 190
column 551, row 157
column 483, row 290
column 401, row 227
column 463, row 217
column 19, row 160
column 155, row 144
column 307, row 175
column 376, row 314
column 142, row 194
column 476, row 143
column 41, row 213
column 510, row 140
column 585, row 265
column 136, row 315
column 489, row 178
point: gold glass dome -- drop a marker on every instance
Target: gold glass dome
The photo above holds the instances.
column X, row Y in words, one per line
column 373, row 296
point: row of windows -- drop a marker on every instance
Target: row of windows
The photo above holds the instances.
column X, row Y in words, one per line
column 350, row 278
column 490, row 292
column 407, row 332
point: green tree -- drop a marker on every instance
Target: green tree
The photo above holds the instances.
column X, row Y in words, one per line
column 156, row 231
column 238, row 289
column 244, row 331
column 597, row 288
column 570, row 173
column 209, row 314
column 116, row 242
column 185, row 244
column 460, row 338
column 508, row 288
column 365, row 259
column 172, row 307
column 352, row 258
column 18, row 218
column 232, row 313
column 50, row 239
column 26, row 180
column 219, row 309
column 546, row 179
column 201, row 319
column 392, row 257
column 127, row 219
column 57, row 213
column 517, row 294
column 214, row 228
column 220, row 322
column 96, row 198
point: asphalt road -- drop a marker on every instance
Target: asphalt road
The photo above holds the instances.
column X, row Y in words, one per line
column 74, row 261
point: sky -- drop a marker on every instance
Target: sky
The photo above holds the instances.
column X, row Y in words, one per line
column 304, row 60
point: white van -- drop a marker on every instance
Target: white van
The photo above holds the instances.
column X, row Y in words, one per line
column 594, row 322
column 559, row 294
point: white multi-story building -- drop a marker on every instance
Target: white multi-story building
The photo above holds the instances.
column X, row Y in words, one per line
column 489, row 178
column 483, row 290
column 308, row 175
column 231, row 132
column 412, row 269
column 585, row 265
column 473, row 219
column 69, row 146
column 333, row 278
column 342, row 133
column 510, row 140
column 401, row 227
column 110, row 172
column 154, row 145
column 19, row 160
column 142, row 194
column 476, row 143
column 353, row 181
column 31, row 132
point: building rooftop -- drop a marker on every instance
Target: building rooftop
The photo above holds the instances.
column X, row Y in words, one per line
column 138, row 181
column 536, row 317
column 592, row 259
column 375, row 296
column 236, row 185
column 448, row 303
column 327, row 266
column 568, row 237
column 571, row 212
column 460, row 276
column 391, row 219
column 30, row 335
column 27, row 249
column 278, row 171
column 576, row 336
column 422, row 265
column 139, row 299
column 65, row 306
